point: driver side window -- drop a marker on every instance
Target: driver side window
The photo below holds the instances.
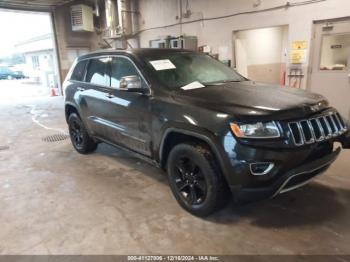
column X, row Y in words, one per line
column 121, row 67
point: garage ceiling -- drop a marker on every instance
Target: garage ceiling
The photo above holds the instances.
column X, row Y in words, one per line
column 35, row 5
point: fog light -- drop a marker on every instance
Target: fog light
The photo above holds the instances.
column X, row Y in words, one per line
column 260, row 169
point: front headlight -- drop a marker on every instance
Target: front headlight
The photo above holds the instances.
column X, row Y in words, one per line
column 256, row 130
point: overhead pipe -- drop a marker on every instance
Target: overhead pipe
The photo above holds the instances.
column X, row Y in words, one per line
column 97, row 9
column 121, row 18
column 124, row 15
column 111, row 17
column 203, row 19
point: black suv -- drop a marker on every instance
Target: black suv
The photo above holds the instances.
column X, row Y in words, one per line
column 214, row 131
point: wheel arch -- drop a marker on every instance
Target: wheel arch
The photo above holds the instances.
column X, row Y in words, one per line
column 174, row 136
column 70, row 108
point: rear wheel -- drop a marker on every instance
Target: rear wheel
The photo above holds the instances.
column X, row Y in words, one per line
column 80, row 138
column 196, row 180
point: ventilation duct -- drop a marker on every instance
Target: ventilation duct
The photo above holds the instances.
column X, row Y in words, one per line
column 111, row 19
column 121, row 18
column 82, row 18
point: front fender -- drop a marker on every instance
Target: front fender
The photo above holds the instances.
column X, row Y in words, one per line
column 213, row 141
column 184, row 129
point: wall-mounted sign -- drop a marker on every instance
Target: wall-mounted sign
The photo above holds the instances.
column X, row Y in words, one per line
column 336, row 46
column 298, row 52
column 298, row 56
column 299, row 45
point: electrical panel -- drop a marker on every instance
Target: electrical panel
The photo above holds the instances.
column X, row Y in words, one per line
column 82, row 18
column 158, row 43
column 184, row 42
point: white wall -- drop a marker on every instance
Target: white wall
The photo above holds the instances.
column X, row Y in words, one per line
column 46, row 63
column 67, row 40
column 218, row 33
column 264, row 46
column 260, row 53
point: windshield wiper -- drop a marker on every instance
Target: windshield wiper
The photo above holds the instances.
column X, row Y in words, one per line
column 221, row 82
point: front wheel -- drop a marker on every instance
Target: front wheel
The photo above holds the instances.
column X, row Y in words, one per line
column 195, row 179
column 80, row 138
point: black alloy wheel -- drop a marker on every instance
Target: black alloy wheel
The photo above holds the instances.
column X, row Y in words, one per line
column 80, row 138
column 76, row 133
column 195, row 179
column 190, row 181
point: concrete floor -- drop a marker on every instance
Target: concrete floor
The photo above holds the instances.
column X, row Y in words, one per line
column 56, row 201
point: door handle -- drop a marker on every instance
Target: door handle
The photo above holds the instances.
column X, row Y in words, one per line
column 80, row 89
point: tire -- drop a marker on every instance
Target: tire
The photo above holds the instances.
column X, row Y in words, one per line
column 79, row 136
column 192, row 168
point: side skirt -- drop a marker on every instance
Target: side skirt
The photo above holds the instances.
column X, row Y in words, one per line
column 132, row 153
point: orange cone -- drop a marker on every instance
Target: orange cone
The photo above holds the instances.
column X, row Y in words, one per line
column 53, row 92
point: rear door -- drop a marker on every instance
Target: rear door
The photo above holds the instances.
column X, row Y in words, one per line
column 92, row 93
column 330, row 67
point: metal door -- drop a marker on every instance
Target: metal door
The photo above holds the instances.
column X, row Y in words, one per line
column 330, row 75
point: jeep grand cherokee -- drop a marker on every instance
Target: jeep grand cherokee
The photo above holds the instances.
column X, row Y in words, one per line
column 211, row 129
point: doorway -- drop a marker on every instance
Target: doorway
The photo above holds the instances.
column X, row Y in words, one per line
column 330, row 75
column 28, row 57
column 261, row 54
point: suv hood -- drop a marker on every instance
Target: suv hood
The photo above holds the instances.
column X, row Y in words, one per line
column 250, row 99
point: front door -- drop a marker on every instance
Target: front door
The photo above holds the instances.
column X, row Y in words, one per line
column 331, row 64
column 127, row 114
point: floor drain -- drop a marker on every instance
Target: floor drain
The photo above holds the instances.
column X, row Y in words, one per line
column 55, row 137
column 4, row 148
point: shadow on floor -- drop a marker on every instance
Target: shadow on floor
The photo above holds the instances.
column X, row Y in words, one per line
column 133, row 162
column 312, row 204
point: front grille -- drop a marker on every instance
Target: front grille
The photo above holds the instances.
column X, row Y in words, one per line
column 317, row 129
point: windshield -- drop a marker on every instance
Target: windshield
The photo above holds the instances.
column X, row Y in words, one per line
column 176, row 70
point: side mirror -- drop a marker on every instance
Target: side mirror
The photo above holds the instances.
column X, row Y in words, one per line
column 131, row 84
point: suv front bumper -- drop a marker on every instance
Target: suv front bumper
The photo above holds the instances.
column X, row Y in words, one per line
column 345, row 140
column 293, row 179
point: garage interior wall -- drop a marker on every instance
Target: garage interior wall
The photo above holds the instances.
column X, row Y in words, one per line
column 218, row 33
column 72, row 44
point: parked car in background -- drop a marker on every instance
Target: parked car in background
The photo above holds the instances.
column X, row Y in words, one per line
column 213, row 130
column 7, row 73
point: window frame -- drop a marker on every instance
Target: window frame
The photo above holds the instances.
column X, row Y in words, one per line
column 148, row 86
column 35, row 62
column 87, row 67
column 320, row 56
column 132, row 62
column 84, row 71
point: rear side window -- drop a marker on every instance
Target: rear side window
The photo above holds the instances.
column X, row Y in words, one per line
column 97, row 72
column 121, row 67
column 79, row 70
